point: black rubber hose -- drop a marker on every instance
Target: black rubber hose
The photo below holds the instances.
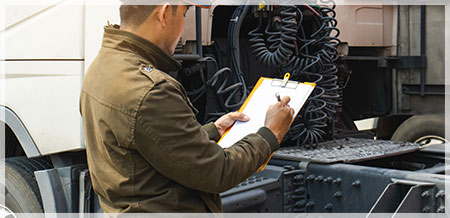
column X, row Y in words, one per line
column 309, row 58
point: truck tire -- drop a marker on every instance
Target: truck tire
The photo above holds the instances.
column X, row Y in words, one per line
column 21, row 191
column 423, row 129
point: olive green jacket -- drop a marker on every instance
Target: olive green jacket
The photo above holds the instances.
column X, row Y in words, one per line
column 146, row 151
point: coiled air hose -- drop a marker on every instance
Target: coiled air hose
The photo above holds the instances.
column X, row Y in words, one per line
column 284, row 45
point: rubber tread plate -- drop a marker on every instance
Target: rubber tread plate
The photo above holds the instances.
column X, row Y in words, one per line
column 347, row 150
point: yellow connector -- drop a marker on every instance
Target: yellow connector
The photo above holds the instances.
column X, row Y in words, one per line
column 262, row 5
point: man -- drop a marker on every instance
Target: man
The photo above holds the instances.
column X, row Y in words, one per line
column 146, row 151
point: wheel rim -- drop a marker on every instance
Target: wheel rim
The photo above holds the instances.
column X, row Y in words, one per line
column 431, row 140
column 6, row 212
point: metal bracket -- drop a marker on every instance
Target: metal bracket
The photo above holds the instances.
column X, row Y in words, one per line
column 50, row 186
column 411, row 182
column 399, row 62
column 303, row 165
column 411, row 89
column 401, row 196
column 404, row 62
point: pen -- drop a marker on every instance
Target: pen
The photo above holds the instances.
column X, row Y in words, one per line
column 277, row 95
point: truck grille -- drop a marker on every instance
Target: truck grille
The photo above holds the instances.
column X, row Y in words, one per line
column 347, row 150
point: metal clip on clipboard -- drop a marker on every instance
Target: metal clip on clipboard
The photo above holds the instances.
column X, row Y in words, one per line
column 285, row 82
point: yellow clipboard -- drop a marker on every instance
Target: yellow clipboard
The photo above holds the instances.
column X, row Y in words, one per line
column 257, row 102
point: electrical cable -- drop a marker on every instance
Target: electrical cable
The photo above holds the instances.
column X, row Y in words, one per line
column 228, row 82
column 309, row 58
column 281, row 41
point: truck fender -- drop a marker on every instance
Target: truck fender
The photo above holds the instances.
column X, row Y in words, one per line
column 13, row 121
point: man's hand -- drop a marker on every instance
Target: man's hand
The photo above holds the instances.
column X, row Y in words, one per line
column 227, row 120
column 279, row 118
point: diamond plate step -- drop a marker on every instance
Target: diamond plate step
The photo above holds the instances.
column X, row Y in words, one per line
column 347, row 150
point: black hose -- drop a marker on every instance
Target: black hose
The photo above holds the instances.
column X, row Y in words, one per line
column 228, row 82
column 309, row 58
column 283, row 46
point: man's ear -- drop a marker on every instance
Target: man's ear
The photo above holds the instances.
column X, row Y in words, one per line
column 162, row 14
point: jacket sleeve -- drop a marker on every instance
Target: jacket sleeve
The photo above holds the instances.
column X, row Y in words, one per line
column 212, row 131
column 169, row 137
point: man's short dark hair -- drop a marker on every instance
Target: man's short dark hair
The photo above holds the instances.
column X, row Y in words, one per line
column 134, row 15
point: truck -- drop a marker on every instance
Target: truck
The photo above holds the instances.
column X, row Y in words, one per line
column 382, row 64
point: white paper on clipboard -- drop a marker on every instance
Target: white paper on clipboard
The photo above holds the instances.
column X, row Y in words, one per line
column 257, row 103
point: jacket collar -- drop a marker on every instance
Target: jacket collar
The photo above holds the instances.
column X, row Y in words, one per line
column 116, row 38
